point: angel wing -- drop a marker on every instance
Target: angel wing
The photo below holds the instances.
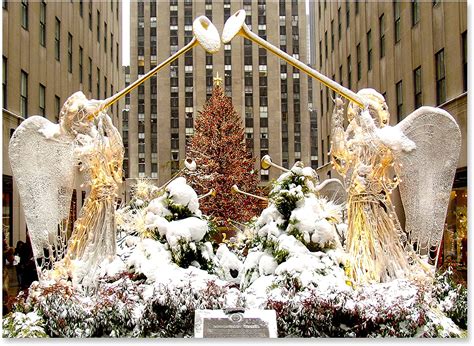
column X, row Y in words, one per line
column 427, row 175
column 332, row 190
column 42, row 161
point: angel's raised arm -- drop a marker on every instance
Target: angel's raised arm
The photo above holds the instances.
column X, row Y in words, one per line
column 339, row 151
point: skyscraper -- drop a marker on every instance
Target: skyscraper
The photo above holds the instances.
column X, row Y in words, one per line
column 271, row 96
column 51, row 50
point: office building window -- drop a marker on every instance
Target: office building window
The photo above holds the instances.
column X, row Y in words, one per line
column 98, row 26
column 90, row 75
column 105, row 87
column 359, row 63
column 440, row 78
column 81, row 57
column 90, row 15
column 24, row 94
column 42, row 100
column 24, row 14
column 369, row 50
column 4, row 81
column 81, row 8
column 417, row 86
column 111, row 47
column 399, row 95
column 332, row 35
column 349, row 72
column 339, row 24
column 348, row 14
column 326, row 44
column 98, row 84
column 320, row 54
column 464, row 59
column 57, row 40
column 382, row 35
column 43, row 23
column 105, row 37
column 57, row 107
column 415, row 11
column 69, row 53
column 396, row 11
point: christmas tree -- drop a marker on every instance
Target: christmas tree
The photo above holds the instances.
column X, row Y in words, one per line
column 218, row 147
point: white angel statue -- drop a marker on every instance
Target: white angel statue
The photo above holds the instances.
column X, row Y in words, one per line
column 419, row 156
column 44, row 159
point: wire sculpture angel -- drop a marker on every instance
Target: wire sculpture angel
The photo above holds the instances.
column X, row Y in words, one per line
column 44, row 159
column 100, row 156
column 419, row 155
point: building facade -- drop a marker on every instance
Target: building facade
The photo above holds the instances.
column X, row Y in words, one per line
column 412, row 52
column 52, row 49
column 271, row 96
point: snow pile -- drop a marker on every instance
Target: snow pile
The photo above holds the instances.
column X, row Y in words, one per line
column 229, row 266
column 395, row 139
column 183, row 195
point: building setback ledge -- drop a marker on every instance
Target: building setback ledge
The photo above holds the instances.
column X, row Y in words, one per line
column 10, row 113
column 447, row 103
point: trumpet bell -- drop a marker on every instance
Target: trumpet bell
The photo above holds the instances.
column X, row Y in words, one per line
column 266, row 162
column 206, row 34
column 233, row 25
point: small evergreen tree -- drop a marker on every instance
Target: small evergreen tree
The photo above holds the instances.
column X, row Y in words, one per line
column 218, row 147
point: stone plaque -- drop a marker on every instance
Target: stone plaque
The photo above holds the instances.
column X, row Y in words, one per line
column 235, row 323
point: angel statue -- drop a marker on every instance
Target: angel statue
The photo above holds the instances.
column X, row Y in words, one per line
column 419, row 156
column 44, row 159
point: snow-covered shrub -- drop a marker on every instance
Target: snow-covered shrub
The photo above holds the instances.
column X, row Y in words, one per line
column 20, row 325
column 396, row 309
column 452, row 297
column 173, row 219
column 294, row 235
column 124, row 306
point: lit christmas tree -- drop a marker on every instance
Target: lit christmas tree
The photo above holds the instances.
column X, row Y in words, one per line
column 218, row 147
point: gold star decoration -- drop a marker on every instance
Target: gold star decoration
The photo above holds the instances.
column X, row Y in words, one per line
column 217, row 80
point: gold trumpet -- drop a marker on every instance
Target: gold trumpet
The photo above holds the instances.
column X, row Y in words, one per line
column 211, row 192
column 235, row 189
column 266, row 163
column 235, row 25
column 205, row 34
column 189, row 164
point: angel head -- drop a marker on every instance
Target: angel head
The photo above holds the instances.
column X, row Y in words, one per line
column 376, row 105
column 77, row 113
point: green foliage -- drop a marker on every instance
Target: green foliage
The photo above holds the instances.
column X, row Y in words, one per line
column 20, row 325
column 190, row 253
column 280, row 255
column 212, row 232
column 313, row 247
column 289, row 182
column 178, row 211
column 452, row 297
column 285, row 203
